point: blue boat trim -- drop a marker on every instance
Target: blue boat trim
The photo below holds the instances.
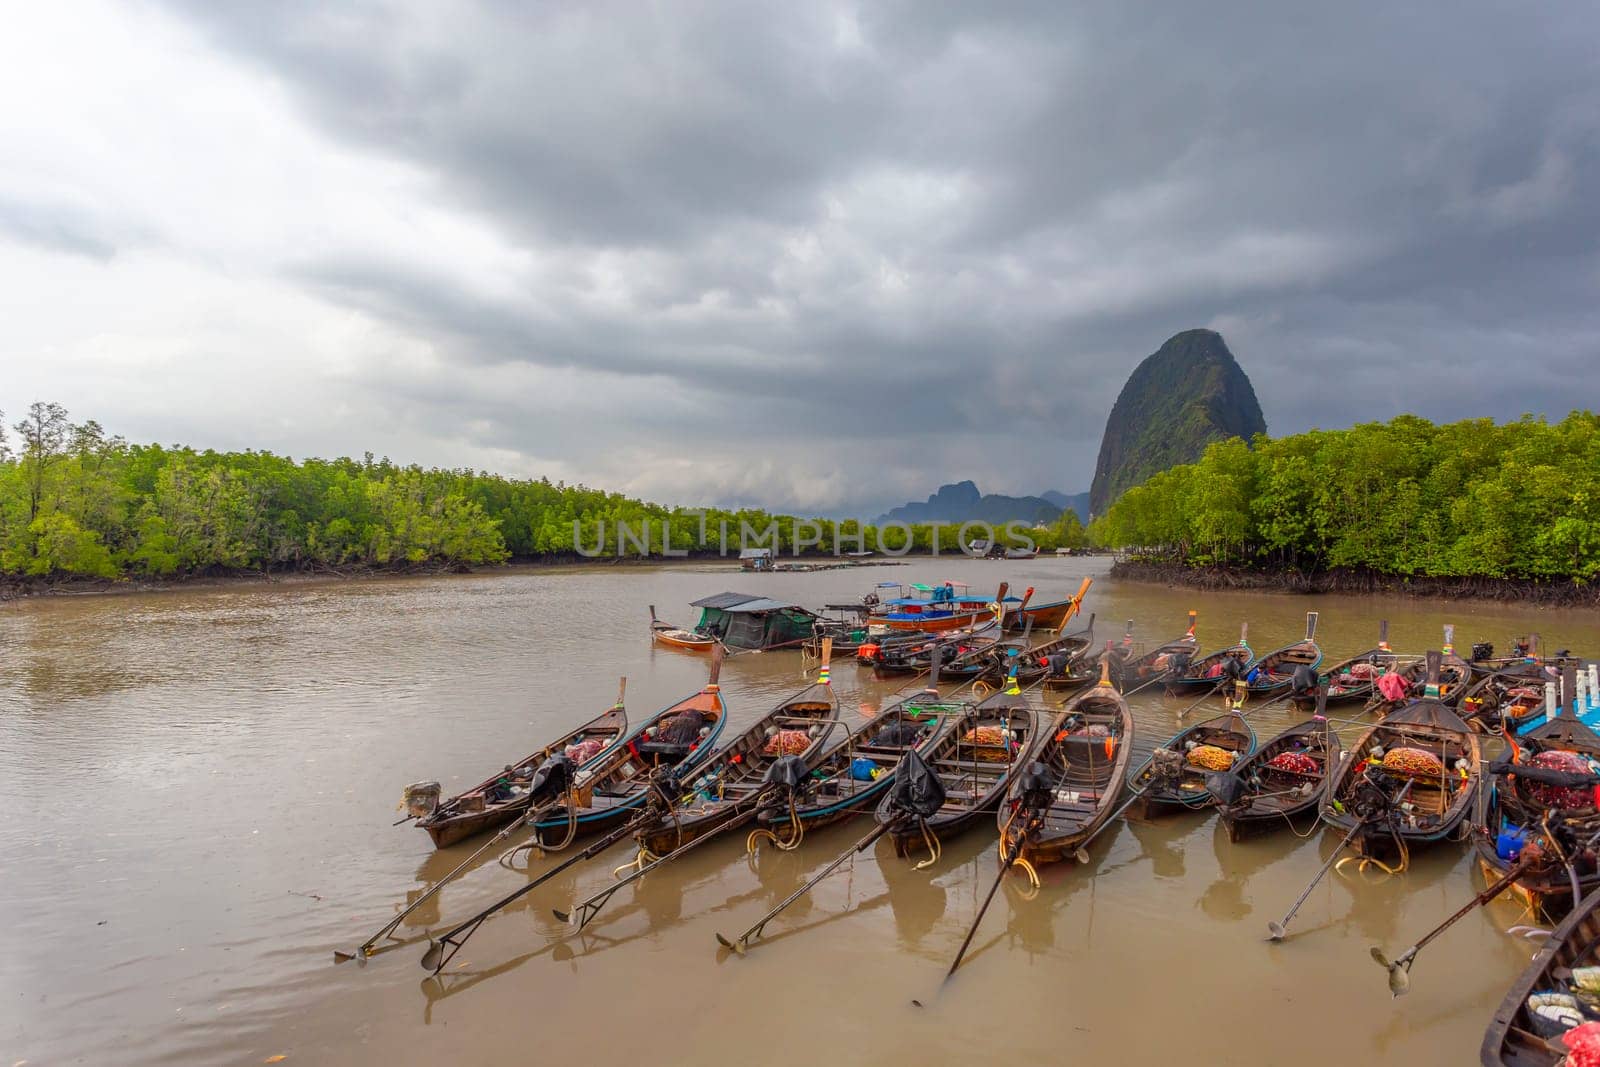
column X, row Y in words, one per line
column 699, row 756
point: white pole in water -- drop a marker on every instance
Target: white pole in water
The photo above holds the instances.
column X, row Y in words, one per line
column 1594, row 684
column 1549, row 701
column 1580, row 699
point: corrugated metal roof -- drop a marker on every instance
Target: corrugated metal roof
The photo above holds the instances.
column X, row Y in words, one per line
column 760, row 604
column 724, row 600
column 754, row 553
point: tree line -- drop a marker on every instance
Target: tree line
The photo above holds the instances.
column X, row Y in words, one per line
column 77, row 501
column 1519, row 500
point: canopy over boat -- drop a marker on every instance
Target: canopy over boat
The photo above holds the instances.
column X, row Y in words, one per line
column 744, row 620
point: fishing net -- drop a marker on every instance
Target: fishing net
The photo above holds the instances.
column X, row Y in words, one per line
column 1413, row 761
column 1210, row 757
column 991, row 744
column 681, row 729
column 787, row 743
column 1583, row 1044
column 1364, row 672
column 1294, row 762
column 585, row 750
column 1561, row 796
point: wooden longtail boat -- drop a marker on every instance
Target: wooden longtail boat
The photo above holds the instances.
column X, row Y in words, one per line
column 1274, row 672
column 1527, row 651
column 858, row 770
column 502, row 797
column 1281, row 783
column 1455, row 676
column 1544, row 788
column 1197, row 679
column 1367, row 788
column 937, row 616
column 1351, row 680
column 1171, row 782
column 1034, row 663
column 1086, row 750
column 1512, row 698
column 1514, row 1038
column 614, row 786
column 739, row 770
column 974, row 760
column 1043, row 617
column 966, row 647
column 1140, row 670
column 664, row 633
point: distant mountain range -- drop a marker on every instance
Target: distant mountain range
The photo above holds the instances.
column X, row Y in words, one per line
column 962, row 502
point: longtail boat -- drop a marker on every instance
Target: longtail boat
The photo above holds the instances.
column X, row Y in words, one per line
column 974, row 761
column 1174, row 777
column 1033, row 663
column 1455, row 676
column 1423, row 751
column 1274, row 672
column 857, row 771
column 1051, row 616
column 1085, row 752
column 955, row 649
column 505, row 795
column 1526, row 651
column 800, row 726
column 1207, row 674
column 1542, row 794
column 1509, row 698
column 664, row 633
column 934, row 617
column 1351, row 680
column 1541, row 1008
column 1279, row 784
column 1137, row 671
column 616, row 785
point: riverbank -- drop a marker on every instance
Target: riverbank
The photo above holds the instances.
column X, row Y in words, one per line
column 19, row 587
column 1360, row 582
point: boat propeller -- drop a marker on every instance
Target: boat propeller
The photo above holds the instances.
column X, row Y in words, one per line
column 1399, row 970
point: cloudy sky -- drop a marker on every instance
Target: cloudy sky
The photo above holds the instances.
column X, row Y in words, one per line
column 816, row 256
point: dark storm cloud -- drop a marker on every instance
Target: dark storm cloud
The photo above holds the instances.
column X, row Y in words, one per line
column 936, row 232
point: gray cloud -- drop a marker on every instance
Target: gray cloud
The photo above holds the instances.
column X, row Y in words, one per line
column 55, row 228
column 842, row 253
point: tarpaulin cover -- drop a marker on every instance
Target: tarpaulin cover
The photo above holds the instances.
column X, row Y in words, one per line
column 917, row 790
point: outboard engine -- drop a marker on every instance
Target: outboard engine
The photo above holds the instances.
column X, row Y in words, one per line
column 665, row 789
column 1034, row 788
column 1304, row 681
column 421, row 799
column 552, row 780
column 1482, row 650
column 917, row 790
column 789, row 772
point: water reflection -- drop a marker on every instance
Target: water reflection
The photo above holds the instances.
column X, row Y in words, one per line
column 309, row 708
column 1224, row 899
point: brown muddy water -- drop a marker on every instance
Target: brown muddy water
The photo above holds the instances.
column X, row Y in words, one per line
column 199, row 789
